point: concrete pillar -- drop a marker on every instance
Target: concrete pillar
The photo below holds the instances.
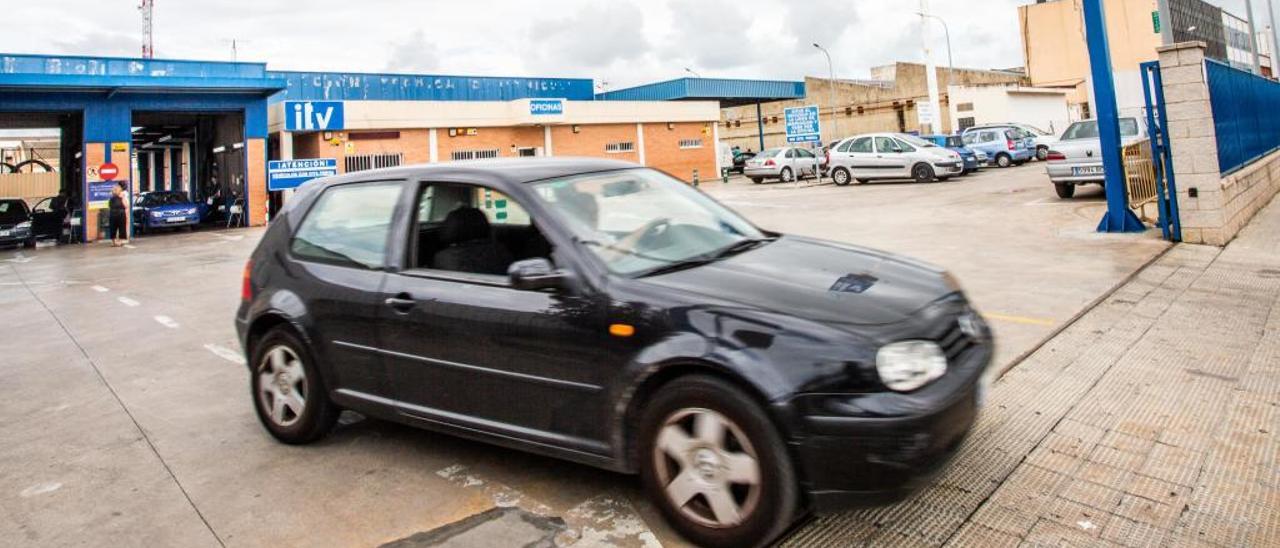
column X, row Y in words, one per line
column 1193, row 141
column 640, row 142
column 433, row 146
column 546, row 141
column 185, row 183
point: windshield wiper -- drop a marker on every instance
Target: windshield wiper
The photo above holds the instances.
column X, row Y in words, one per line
column 740, row 246
column 707, row 258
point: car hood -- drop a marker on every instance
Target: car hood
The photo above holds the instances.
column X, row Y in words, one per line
column 818, row 280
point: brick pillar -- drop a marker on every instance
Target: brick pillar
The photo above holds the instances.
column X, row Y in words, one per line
column 1193, row 142
column 255, row 165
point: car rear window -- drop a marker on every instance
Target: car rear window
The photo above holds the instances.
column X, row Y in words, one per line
column 1089, row 129
column 349, row 225
column 13, row 211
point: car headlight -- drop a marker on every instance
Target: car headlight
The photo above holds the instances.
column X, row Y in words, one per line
column 908, row 365
column 156, row 214
column 22, row 225
column 191, row 211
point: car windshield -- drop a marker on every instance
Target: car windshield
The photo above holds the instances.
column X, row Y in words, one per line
column 164, row 198
column 915, row 141
column 955, row 142
column 641, row 221
column 1089, row 129
column 12, row 211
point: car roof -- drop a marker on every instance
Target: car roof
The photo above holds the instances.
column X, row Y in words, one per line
column 508, row 170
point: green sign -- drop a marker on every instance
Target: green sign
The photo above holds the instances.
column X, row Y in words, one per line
column 1155, row 21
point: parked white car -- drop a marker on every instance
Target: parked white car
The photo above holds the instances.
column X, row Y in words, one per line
column 891, row 156
column 1077, row 158
column 785, row 164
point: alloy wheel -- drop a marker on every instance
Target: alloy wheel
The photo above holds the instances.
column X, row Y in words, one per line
column 282, row 385
column 708, row 468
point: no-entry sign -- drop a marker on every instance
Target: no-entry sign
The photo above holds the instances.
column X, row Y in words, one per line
column 108, row 171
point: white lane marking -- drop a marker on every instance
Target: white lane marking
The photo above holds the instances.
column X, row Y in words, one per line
column 167, row 322
column 100, row 289
column 20, row 259
column 130, row 246
column 227, row 238
column 225, row 353
column 502, row 495
column 127, row 301
column 40, row 489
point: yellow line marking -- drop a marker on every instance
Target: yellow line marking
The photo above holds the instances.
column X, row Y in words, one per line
column 1019, row 319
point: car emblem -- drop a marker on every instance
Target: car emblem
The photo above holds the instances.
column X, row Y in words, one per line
column 1089, row 153
column 854, row 283
column 971, row 325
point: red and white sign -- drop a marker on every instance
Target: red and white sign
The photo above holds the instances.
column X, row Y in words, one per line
column 108, row 171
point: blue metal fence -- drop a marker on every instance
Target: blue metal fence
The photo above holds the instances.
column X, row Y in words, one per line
column 1246, row 115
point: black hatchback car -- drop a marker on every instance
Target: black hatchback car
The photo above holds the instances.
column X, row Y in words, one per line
column 611, row 315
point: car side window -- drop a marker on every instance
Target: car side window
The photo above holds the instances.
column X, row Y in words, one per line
column 861, row 145
column 791, row 153
column 473, row 229
column 348, row 225
column 845, row 146
column 802, row 153
column 885, row 145
column 905, row 147
column 45, row 206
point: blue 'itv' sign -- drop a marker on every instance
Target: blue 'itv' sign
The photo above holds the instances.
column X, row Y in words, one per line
column 286, row 174
column 314, row 116
column 546, row 107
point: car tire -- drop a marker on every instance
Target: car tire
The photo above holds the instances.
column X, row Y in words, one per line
column 1065, row 190
column 1003, row 160
column 786, row 175
column 757, row 180
column 29, row 243
column 841, row 177
column 863, row 181
column 279, row 357
column 1042, row 153
column 923, row 173
column 748, row 438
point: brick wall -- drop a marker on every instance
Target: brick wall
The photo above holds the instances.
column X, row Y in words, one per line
column 662, row 150
column 1223, row 205
column 591, row 139
column 501, row 138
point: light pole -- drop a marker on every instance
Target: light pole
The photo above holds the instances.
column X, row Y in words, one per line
column 691, row 71
column 831, row 86
column 945, row 30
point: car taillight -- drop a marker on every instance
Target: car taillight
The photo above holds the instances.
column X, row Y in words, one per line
column 1012, row 145
column 1055, row 155
column 246, row 282
column 769, row 163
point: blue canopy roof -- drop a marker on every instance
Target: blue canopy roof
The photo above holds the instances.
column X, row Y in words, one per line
column 77, row 73
column 728, row 92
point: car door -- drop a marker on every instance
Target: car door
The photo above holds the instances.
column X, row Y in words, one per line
column 467, row 349
column 806, row 162
column 336, row 265
column 46, row 221
column 860, row 157
column 891, row 158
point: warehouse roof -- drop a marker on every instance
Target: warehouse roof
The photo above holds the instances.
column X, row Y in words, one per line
column 730, row 92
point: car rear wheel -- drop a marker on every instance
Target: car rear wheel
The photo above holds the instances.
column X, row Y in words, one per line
column 715, row 465
column 757, row 180
column 922, row 173
column 1065, row 190
column 787, row 175
column 1003, row 160
column 841, row 176
column 288, row 393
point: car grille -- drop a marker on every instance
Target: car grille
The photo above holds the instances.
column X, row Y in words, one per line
column 954, row 342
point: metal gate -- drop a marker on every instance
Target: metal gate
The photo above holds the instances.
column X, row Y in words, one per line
column 1166, row 188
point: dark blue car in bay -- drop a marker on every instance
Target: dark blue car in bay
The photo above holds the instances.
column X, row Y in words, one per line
column 973, row 159
column 164, row 209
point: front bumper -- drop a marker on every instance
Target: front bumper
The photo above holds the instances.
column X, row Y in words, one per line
column 895, row 447
column 15, row 236
column 949, row 168
column 172, row 222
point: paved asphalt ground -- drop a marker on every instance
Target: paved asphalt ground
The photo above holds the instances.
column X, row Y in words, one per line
column 127, row 418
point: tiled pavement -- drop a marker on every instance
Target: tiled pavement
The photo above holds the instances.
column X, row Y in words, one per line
column 1154, row 420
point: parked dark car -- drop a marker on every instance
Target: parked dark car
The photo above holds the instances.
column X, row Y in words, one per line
column 740, row 161
column 15, row 223
column 612, row 315
column 49, row 218
column 164, row 209
column 973, row 160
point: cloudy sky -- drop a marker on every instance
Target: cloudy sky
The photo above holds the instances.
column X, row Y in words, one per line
column 622, row 42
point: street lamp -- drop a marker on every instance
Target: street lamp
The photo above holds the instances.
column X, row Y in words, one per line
column 835, row 122
column 946, row 30
column 691, row 71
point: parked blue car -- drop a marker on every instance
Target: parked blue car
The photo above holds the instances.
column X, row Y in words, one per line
column 973, row 160
column 1005, row 146
column 164, row 209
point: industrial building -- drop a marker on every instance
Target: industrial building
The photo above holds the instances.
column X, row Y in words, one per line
column 210, row 128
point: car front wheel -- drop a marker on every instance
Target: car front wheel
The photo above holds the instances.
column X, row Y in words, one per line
column 1042, row 153
column 922, row 173
column 715, row 465
column 1003, row 160
column 841, row 176
column 288, row 393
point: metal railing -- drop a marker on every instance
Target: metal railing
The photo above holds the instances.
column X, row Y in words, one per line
column 1140, row 177
column 1245, row 116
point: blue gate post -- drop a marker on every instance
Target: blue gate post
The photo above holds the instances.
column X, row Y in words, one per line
column 1118, row 217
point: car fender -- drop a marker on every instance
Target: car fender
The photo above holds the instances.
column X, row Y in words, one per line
column 288, row 307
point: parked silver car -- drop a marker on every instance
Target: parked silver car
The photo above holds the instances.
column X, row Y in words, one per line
column 1077, row 158
column 891, row 156
column 785, row 164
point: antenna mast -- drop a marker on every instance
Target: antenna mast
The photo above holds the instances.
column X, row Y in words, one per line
column 148, row 43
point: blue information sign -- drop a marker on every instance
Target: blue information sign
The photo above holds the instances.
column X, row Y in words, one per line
column 286, row 174
column 803, row 125
column 546, row 107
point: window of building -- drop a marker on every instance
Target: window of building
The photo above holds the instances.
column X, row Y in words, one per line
column 365, row 162
column 964, row 107
column 348, row 225
column 967, row 122
column 617, row 148
column 476, row 154
column 691, row 143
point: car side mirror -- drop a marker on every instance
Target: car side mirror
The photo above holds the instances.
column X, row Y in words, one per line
column 536, row 274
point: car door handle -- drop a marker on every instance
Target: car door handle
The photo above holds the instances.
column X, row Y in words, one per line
column 402, row 303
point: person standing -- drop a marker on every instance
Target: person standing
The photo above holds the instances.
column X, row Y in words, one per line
column 117, row 219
